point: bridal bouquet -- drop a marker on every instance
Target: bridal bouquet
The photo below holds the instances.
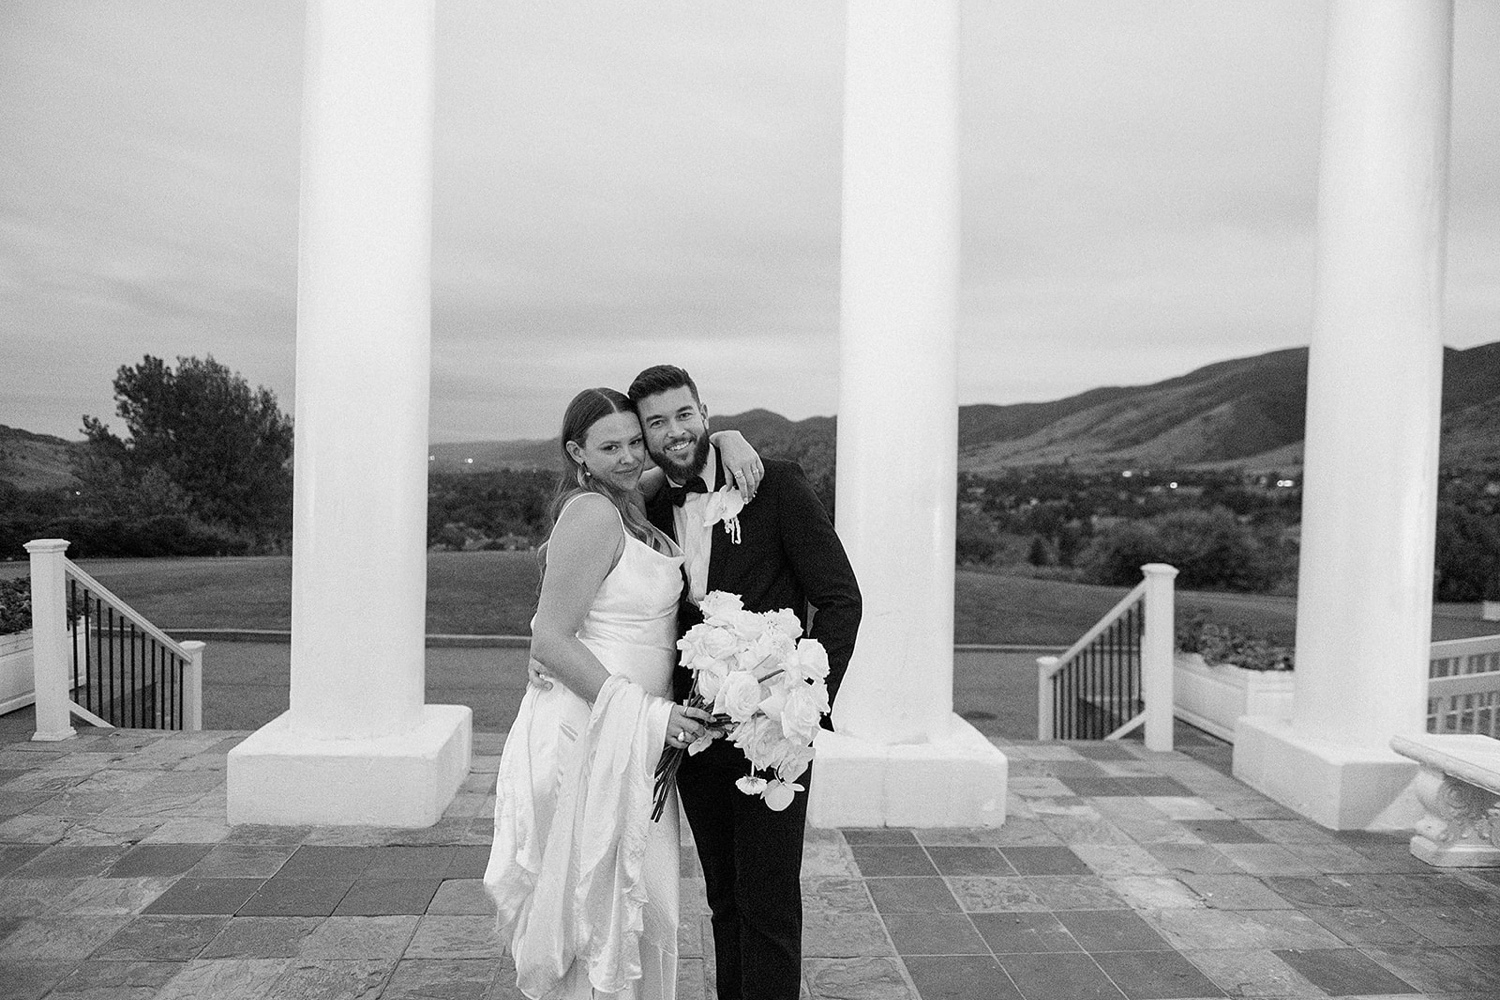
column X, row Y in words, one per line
column 766, row 690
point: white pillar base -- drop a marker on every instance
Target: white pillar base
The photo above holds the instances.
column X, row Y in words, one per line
column 1338, row 786
column 279, row 777
column 959, row 780
column 1489, row 611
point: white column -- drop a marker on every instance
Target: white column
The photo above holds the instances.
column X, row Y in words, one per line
column 1374, row 389
column 51, row 650
column 359, row 569
column 900, row 756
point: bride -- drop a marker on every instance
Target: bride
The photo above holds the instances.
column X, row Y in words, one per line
column 585, row 885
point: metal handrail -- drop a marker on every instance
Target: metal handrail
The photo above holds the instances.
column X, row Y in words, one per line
column 1110, row 617
column 109, row 597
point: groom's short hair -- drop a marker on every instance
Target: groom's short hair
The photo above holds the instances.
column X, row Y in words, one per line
column 660, row 378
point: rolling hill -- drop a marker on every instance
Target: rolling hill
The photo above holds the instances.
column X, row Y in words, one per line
column 1247, row 412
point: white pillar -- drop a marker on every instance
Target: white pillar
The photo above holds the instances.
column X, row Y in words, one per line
column 1364, row 606
column 51, row 650
column 1158, row 645
column 358, row 743
column 900, row 755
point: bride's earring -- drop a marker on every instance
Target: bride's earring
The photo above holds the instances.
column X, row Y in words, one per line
column 583, row 477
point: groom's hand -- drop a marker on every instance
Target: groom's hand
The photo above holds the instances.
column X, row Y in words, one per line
column 537, row 677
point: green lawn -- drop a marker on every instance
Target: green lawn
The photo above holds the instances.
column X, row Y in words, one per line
column 494, row 593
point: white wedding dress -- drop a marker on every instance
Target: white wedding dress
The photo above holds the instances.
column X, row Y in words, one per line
column 586, row 899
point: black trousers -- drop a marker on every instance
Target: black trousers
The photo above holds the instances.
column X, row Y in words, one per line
column 752, row 863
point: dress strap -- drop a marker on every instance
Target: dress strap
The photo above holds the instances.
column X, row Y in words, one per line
column 590, row 493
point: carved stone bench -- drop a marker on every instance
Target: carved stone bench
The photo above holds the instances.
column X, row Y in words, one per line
column 1459, row 786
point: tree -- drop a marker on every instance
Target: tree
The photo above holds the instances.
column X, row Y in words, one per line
column 1467, row 559
column 201, row 443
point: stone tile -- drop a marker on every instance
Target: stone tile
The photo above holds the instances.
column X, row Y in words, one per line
column 1291, row 831
column 1252, row 806
column 1060, row 976
column 1154, row 892
column 373, row 897
column 454, row 937
column 296, row 897
column 1392, row 858
column 328, row 862
column 1332, row 859
column 934, row 934
column 1146, row 831
column 161, row 939
column 13, row 856
column 1074, row 892
column 1486, row 960
column 984, row 894
column 866, row 978
column 882, row 860
column 266, row 834
column 1158, row 975
column 1265, row 859
column 205, row 895
column 111, row 896
column 1235, row 892
column 29, row 980
column 411, row 862
column 1317, row 890
column 382, row 938
column 1118, row 859
column 227, row 860
column 461, row 896
column 1024, row 933
column 1192, row 930
column 690, row 979
column 820, row 858
column 1223, row 831
column 41, row 939
column 1046, row 861
column 1248, row 972
column 1038, row 787
column 1111, row 930
column 1433, row 970
column 959, row 977
column 1394, row 890
column 1078, row 830
column 109, row 831
column 224, row 979
column 189, row 830
column 1451, row 926
column 690, row 937
column 969, row 861
column 1102, row 750
column 843, row 935
column 1184, row 807
column 330, row 979
column 469, row 861
column 158, row 859
column 21, row 897
column 1096, row 785
column 913, row 895
column 444, row 979
column 1196, row 859
column 881, row 835
column 1362, row 927
column 261, row 937
column 116, row 980
column 1015, row 832
column 70, row 862
column 1344, row 971
column 836, row 895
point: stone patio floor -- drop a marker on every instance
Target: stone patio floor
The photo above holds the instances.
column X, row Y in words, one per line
column 1119, row 873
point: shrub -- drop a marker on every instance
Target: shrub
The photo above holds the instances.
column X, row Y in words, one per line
column 15, row 605
column 1236, row 644
column 1211, row 549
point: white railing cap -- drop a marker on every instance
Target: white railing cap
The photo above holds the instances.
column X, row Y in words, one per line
column 40, row 545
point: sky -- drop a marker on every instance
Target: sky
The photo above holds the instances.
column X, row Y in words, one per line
column 626, row 183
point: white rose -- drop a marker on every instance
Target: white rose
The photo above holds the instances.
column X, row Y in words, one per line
column 718, row 643
column 747, row 625
column 710, row 678
column 773, row 703
column 800, row 713
column 751, row 785
column 812, row 659
column 716, row 604
column 723, row 505
column 738, row 696
column 779, row 794
column 785, row 622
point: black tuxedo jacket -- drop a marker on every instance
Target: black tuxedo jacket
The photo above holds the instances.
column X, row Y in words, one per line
column 788, row 557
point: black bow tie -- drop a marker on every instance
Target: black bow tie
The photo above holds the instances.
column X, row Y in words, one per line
column 679, row 494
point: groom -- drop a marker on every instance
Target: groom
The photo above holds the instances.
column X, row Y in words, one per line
column 786, row 556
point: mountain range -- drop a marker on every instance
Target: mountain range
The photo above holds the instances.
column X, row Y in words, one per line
column 1247, row 412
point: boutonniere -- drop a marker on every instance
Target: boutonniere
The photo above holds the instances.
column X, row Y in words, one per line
column 725, row 505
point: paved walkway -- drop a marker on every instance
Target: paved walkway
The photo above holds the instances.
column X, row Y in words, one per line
column 1120, row 873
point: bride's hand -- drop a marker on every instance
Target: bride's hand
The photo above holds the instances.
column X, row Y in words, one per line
column 741, row 462
column 537, row 677
column 685, row 725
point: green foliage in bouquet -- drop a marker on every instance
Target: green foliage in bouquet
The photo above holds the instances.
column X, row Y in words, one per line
column 15, row 605
column 1237, row 644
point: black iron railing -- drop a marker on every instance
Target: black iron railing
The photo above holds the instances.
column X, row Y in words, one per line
column 125, row 671
column 1098, row 689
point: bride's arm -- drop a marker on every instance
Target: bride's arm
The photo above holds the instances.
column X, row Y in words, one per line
column 741, row 462
column 584, row 547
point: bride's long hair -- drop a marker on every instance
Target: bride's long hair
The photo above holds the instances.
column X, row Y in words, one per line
column 586, row 409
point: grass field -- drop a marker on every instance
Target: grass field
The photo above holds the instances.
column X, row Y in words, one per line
column 494, row 593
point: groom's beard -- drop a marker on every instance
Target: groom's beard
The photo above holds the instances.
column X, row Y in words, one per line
column 681, row 472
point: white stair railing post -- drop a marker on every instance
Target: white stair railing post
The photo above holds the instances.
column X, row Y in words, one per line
column 1157, row 647
column 51, row 650
column 1046, row 666
column 192, row 686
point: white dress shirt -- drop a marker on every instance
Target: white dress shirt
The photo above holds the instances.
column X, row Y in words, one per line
column 696, row 538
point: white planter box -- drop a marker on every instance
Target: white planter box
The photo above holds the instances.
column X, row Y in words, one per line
column 17, row 672
column 1213, row 697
